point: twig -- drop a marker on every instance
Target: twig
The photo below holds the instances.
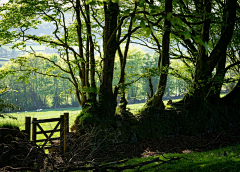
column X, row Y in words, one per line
column 9, row 168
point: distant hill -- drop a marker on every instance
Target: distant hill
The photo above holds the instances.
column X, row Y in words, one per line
column 6, row 53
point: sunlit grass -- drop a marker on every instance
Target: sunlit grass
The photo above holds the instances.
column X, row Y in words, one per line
column 12, row 124
column 135, row 107
column 215, row 160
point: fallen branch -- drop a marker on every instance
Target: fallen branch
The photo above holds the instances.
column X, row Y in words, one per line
column 141, row 164
column 8, row 168
column 108, row 166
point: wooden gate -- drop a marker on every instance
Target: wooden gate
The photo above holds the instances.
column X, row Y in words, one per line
column 63, row 122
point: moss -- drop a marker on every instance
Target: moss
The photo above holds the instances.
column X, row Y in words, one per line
column 148, row 124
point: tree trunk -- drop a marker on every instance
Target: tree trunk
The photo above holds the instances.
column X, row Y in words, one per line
column 156, row 103
column 199, row 91
column 202, row 71
column 56, row 97
column 92, row 95
column 107, row 100
column 213, row 95
column 150, row 87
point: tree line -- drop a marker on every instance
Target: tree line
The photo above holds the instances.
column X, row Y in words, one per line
column 39, row 91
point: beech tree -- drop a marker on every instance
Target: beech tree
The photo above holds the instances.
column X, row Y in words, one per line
column 156, row 103
column 209, row 36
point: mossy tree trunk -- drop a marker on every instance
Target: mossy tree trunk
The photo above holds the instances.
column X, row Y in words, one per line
column 156, row 103
column 107, row 100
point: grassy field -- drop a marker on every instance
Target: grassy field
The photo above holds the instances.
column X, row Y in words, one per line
column 222, row 159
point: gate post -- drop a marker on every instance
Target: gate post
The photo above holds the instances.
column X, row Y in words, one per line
column 66, row 130
column 28, row 127
column 34, row 130
column 62, row 133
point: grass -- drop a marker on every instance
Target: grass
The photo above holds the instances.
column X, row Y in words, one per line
column 9, row 124
column 55, row 113
column 215, row 160
column 135, row 107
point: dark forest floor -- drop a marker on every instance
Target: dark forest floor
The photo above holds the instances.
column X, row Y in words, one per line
column 176, row 144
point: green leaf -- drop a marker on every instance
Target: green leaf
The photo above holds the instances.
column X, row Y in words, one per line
column 151, row 26
column 187, row 35
column 174, row 20
column 198, row 41
column 126, row 12
column 92, row 3
column 142, row 24
column 148, row 31
column 134, row 19
column 141, row 3
column 169, row 15
column 152, row 7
